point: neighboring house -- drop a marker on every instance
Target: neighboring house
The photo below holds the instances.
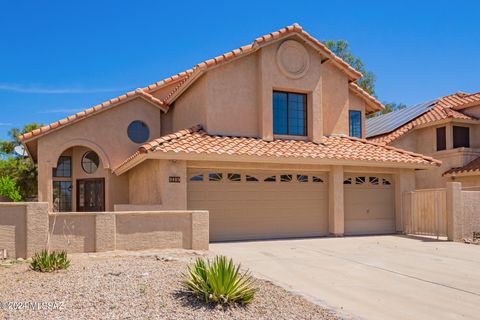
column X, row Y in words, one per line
column 447, row 129
column 268, row 137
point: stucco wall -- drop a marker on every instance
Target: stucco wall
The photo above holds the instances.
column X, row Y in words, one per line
column 106, row 134
column 423, row 141
column 188, row 110
column 335, row 100
column 12, row 229
column 149, row 184
column 27, row 228
column 471, row 213
column 236, row 98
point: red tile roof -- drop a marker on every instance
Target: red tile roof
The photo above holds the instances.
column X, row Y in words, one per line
column 334, row 148
column 460, row 100
column 374, row 104
column 440, row 111
column 139, row 93
column 188, row 76
column 473, row 167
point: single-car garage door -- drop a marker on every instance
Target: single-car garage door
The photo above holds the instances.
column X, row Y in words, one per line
column 369, row 204
column 260, row 204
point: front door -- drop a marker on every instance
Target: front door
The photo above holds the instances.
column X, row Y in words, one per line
column 91, row 195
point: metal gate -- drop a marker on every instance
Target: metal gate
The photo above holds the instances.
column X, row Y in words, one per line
column 426, row 212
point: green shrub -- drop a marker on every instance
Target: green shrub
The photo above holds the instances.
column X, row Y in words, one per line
column 9, row 189
column 219, row 281
column 50, row 261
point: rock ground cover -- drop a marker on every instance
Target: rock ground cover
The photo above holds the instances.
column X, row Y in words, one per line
column 139, row 285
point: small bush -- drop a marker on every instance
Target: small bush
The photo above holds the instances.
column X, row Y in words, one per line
column 219, row 281
column 50, row 261
column 9, row 189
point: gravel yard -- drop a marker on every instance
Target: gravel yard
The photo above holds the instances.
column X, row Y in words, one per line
column 134, row 285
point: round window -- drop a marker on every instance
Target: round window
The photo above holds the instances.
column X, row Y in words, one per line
column 90, row 162
column 138, row 131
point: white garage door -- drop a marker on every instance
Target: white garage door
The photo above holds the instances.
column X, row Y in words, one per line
column 260, row 204
column 369, row 204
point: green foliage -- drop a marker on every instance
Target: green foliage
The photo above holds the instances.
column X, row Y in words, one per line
column 50, row 261
column 342, row 49
column 9, row 189
column 21, row 169
column 220, row 281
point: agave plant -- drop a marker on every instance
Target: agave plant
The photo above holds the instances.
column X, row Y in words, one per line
column 46, row 261
column 219, row 281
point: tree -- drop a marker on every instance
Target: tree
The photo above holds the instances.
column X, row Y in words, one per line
column 342, row 49
column 20, row 169
column 9, row 189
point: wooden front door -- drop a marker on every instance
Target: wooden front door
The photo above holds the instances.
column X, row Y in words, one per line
column 91, row 195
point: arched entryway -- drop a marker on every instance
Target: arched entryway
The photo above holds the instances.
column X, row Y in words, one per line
column 78, row 181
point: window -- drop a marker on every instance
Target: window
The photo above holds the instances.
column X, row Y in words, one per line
column 355, row 120
column 289, row 113
column 90, row 162
column 302, row 178
column 138, row 131
column 234, row 177
column 286, row 178
column 373, row 180
column 359, row 180
column 250, row 178
column 64, row 167
column 215, row 176
column 461, row 137
column 62, row 196
column 270, row 179
column 316, row 179
column 441, row 138
column 198, row 177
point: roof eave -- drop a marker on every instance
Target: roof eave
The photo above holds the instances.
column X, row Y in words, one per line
column 266, row 159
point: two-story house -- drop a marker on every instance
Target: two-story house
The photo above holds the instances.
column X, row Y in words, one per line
column 268, row 137
column 446, row 128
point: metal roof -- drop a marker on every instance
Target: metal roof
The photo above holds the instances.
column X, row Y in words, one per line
column 388, row 122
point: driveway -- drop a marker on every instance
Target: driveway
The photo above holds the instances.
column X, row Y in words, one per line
column 376, row 277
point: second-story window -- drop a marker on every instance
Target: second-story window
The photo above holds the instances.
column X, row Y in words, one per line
column 441, row 138
column 289, row 113
column 461, row 137
column 355, row 121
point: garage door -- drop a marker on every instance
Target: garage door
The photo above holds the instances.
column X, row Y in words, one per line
column 369, row 204
column 260, row 204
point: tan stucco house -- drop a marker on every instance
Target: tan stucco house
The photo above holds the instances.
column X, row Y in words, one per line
column 269, row 137
column 447, row 128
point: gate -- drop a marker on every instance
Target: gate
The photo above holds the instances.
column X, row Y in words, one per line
column 426, row 212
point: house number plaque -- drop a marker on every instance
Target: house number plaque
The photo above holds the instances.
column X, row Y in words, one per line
column 174, row 179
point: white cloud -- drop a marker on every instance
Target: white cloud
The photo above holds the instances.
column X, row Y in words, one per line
column 44, row 90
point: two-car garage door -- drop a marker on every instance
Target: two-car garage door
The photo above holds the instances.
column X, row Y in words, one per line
column 260, row 204
column 270, row 204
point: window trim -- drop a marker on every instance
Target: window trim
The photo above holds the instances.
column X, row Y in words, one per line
column 350, row 112
column 305, row 120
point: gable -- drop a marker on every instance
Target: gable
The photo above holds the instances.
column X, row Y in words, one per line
column 107, row 130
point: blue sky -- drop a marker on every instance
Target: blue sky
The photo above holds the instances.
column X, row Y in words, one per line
column 60, row 57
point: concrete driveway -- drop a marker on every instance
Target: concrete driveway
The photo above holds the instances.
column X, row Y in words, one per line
column 377, row 277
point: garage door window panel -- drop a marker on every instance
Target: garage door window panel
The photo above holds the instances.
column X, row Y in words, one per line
column 215, row 177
